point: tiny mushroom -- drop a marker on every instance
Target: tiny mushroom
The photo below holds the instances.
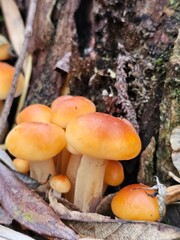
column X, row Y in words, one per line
column 98, row 136
column 136, row 202
column 6, row 77
column 21, row 165
column 37, row 143
column 6, row 50
column 114, row 173
column 60, row 184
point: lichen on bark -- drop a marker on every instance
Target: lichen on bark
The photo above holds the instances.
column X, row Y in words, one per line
column 169, row 114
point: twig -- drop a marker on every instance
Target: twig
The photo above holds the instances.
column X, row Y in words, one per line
column 28, row 32
column 176, row 178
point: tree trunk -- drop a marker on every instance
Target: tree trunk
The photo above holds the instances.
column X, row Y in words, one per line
column 123, row 56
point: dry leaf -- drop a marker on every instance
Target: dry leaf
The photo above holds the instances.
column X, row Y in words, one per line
column 4, row 157
column 9, row 234
column 67, row 214
column 104, row 206
column 127, row 231
column 30, row 182
column 14, row 23
column 28, row 208
column 5, row 218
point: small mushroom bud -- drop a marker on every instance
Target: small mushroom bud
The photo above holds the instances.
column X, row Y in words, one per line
column 60, row 184
column 21, row 165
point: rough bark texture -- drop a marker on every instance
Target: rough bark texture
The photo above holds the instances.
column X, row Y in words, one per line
column 124, row 58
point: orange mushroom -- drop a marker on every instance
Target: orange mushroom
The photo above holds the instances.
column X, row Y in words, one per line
column 60, row 184
column 37, row 143
column 34, row 113
column 98, row 137
column 6, row 77
column 21, row 165
column 64, row 109
column 114, row 173
column 136, row 202
column 6, row 51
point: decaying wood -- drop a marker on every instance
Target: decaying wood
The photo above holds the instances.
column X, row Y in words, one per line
column 51, row 40
column 143, row 34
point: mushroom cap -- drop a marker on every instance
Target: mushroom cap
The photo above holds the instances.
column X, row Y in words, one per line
column 60, row 183
column 6, row 77
column 103, row 136
column 21, row 165
column 65, row 108
column 35, row 141
column 34, row 113
column 5, row 51
column 114, row 173
column 133, row 203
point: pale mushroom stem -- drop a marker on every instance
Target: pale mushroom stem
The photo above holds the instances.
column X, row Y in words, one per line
column 71, row 173
column 61, row 161
column 89, row 183
column 40, row 170
column 65, row 156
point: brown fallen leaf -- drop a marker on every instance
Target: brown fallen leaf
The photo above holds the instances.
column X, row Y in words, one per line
column 67, row 214
column 28, row 208
column 127, row 231
column 104, row 206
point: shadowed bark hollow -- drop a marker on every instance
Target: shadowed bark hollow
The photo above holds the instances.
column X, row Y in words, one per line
column 121, row 57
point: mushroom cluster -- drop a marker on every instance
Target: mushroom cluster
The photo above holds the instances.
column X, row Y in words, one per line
column 98, row 137
column 70, row 140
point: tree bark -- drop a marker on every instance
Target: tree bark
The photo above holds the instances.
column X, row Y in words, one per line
column 123, row 56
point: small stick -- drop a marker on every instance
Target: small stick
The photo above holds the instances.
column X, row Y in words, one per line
column 176, row 178
column 28, row 32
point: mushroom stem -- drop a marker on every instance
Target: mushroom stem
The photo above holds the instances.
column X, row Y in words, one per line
column 71, row 173
column 65, row 155
column 172, row 194
column 89, row 183
column 40, row 171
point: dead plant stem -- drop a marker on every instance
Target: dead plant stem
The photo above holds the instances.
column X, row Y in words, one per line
column 28, row 32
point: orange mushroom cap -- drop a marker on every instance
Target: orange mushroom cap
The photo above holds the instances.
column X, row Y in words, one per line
column 60, row 183
column 5, row 51
column 21, row 165
column 65, row 108
column 35, row 141
column 34, row 113
column 114, row 173
column 103, row 136
column 134, row 202
column 6, row 77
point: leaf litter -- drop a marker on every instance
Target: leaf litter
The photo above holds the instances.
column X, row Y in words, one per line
column 29, row 209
